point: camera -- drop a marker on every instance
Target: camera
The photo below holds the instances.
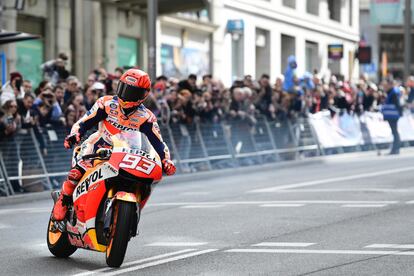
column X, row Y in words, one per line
column 9, row 120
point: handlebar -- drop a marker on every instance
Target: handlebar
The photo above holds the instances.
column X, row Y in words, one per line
column 99, row 154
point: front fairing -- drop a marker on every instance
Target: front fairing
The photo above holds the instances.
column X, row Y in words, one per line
column 133, row 153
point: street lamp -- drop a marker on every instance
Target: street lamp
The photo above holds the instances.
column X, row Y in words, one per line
column 152, row 13
column 18, row 6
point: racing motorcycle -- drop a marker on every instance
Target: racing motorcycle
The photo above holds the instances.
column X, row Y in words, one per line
column 108, row 200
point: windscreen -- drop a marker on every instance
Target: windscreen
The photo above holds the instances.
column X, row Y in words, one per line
column 134, row 142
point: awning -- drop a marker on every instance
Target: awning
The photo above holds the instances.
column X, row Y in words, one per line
column 164, row 6
column 4, row 33
column 10, row 37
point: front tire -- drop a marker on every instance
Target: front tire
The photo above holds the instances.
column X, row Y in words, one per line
column 58, row 242
column 120, row 233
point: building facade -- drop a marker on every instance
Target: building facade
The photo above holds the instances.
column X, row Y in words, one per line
column 102, row 34
column 184, row 43
column 382, row 29
column 229, row 38
column 92, row 34
column 271, row 30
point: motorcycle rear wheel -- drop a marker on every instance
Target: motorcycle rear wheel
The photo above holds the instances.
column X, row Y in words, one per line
column 58, row 242
column 120, row 233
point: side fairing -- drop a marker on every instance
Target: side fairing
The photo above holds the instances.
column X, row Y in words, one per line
column 88, row 188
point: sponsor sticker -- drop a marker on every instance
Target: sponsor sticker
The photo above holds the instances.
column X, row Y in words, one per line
column 121, row 127
column 101, row 173
column 130, row 79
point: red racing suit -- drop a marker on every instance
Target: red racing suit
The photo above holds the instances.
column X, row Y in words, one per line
column 107, row 113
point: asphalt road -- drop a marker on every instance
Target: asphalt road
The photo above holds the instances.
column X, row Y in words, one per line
column 348, row 215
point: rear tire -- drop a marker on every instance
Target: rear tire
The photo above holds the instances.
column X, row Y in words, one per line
column 58, row 242
column 120, row 233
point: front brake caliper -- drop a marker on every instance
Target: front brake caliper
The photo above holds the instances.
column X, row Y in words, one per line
column 58, row 226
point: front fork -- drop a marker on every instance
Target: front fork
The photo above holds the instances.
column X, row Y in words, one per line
column 109, row 208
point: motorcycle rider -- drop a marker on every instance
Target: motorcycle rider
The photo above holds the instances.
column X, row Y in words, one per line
column 113, row 114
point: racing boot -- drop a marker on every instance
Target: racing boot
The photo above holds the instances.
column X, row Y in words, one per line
column 65, row 197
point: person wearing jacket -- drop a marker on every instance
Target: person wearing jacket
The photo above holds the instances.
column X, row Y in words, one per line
column 13, row 89
column 392, row 111
column 290, row 72
column 124, row 112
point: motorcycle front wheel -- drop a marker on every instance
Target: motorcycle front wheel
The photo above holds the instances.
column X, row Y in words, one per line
column 58, row 242
column 120, row 233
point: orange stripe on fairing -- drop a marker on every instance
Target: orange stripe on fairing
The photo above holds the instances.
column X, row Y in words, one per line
column 113, row 130
column 93, row 241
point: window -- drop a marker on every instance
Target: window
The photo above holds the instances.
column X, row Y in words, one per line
column 128, row 50
column 237, row 59
column 201, row 15
column 289, row 3
column 30, row 51
column 288, row 48
column 262, row 52
column 334, row 7
column 312, row 7
column 312, row 57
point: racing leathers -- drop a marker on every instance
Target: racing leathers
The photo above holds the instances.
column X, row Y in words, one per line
column 111, row 119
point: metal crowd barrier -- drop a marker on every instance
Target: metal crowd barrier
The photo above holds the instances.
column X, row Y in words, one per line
column 26, row 167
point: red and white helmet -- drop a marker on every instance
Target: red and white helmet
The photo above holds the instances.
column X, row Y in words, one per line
column 133, row 88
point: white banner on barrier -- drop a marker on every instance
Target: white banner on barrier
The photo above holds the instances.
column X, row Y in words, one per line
column 378, row 130
column 406, row 126
column 339, row 131
column 350, row 130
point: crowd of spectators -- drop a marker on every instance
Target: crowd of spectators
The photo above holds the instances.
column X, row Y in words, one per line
column 61, row 99
column 247, row 99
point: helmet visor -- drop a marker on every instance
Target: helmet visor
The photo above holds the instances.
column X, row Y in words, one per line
column 129, row 93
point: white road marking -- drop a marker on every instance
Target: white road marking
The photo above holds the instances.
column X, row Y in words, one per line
column 340, row 190
column 380, row 245
column 284, row 244
column 282, row 205
column 159, row 262
column 37, row 246
column 195, row 193
column 201, row 206
column 309, row 251
column 330, row 180
column 4, row 226
column 405, row 246
column 39, row 210
column 393, row 246
column 410, row 202
column 104, row 269
column 207, row 203
column 24, row 210
column 364, row 205
column 176, row 244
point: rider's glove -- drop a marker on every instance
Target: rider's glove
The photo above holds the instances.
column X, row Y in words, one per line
column 71, row 139
column 168, row 167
